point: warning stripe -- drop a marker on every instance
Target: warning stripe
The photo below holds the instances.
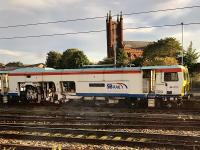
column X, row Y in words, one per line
column 169, row 70
column 75, row 72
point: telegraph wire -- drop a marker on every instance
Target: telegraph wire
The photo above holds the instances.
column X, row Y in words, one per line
column 162, row 10
column 100, row 17
column 156, row 26
column 48, row 35
column 96, row 31
column 50, row 22
column 166, row 25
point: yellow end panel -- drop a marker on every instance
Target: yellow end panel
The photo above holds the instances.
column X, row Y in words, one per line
column 186, row 82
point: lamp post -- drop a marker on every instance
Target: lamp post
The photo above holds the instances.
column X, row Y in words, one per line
column 182, row 43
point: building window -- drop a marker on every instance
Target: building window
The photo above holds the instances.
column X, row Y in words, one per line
column 171, row 76
column 129, row 55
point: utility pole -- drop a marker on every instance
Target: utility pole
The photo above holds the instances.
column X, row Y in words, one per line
column 115, row 54
column 115, row 46
column 182, row 43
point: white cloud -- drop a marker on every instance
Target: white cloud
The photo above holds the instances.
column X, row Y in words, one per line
column 170, row 4
column 129, row 21
column 33, row 50
column 173, row 4
column 27, row 57
column 8, row 52
column 142, row 30
column 187, row 37
column 41, row 4
column 32, row 4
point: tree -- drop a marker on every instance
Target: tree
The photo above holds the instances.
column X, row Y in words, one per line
column 53, row 59
column 14, row 64
column 106, row 61
column 160, row 61
column 137, row 62
column 121, row 57
column 163, row 52
column 1, row 65
column 190, row 57
column 73, row 58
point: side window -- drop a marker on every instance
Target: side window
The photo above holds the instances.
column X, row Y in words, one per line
column 68, row 86
column 96, row 85
column 171, row 76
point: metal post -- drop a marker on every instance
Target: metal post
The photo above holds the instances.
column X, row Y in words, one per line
column 115, row 46
column 115, row 57
column 182, row 43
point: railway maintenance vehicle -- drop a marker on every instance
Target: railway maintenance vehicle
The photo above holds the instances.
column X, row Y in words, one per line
column 154, row 86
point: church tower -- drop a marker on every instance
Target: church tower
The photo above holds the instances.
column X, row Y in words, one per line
column 114, row 31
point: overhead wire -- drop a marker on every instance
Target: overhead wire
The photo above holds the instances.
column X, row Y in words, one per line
column 97, row 17
column 161, row 10
column 48, row 35
column 96, row 31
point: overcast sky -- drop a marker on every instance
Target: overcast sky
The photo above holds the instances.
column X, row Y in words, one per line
column 34, row 50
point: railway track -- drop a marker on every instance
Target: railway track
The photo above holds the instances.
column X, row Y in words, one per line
column 115, row 126
column 85, row 107
column 101, row 129
column 101, row 122
column 101, row 137
column 21, row 147
column 128, row 116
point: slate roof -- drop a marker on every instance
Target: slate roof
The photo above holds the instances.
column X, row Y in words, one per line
column 27, row 69
column 136, row 44
column 36, row 70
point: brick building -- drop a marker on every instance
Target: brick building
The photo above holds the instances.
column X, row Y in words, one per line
column 114, row 31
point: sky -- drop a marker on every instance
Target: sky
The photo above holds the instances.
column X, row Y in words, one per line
column 34, row 50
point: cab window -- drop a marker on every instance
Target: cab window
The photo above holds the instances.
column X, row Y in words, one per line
column 171, row 76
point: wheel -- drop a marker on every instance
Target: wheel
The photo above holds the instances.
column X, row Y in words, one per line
column 171, row 104
column 188, row 97
column 179, row 103
column 133, row 104
column 158, row 103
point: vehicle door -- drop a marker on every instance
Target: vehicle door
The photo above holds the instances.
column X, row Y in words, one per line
column 171, row 82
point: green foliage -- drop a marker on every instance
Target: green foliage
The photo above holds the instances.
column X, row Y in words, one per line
column 161, row 61
column 157, row 52
column 14, row 64
column 73, row 58
column 2, row 65
column 190, row 57
column 53, row 59
column 137, row 62
column 106, row 61
column 122, row 58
